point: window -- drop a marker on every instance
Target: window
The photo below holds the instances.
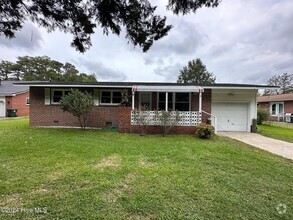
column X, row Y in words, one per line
column 176, row 101
column 145, row 100
column 111, row 97
column 57, row 95
column 182, row 102
column 27, row 100
column 162, row 101
column 277, row 108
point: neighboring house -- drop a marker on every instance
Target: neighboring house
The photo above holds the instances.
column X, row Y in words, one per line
column 230, row 107
column 14, row 97
column 277, row 105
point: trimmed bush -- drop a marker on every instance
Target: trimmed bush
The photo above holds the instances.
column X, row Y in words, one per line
column 204, row 131
column 262, row 115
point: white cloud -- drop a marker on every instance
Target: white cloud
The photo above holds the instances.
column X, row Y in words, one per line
column 240, row 41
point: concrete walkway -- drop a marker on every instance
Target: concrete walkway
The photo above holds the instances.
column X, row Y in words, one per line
column 281, row 148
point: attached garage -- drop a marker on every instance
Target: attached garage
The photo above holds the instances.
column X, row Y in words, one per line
column 234, row 108
column 231, row 116
column 2, row 107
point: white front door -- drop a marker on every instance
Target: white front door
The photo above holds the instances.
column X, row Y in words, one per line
column 231, row 116
column 2, row 109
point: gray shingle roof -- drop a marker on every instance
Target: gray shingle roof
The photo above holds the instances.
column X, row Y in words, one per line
column 7, row 88
column 216, row 85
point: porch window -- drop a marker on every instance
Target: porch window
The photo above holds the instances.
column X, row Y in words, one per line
column 57, row 95
column 176, row 101
column 182, row 102
column 145, row 100
column 162, row 101
column 277, row 108
column 111, row 97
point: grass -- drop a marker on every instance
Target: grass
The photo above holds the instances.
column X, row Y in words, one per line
column 277, row 131
column 98, row 174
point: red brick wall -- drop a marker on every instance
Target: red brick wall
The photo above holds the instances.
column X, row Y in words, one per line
column 288, row 106
column 264, row 105
column 206, row 103
column 50, row 115
column 18, row 102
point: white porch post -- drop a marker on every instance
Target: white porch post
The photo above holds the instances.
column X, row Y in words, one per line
column 166, row 105
column 132, row 100
column 200, row 102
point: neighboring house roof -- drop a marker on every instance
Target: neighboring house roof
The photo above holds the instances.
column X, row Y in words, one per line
column 130, row 84
column 7, row 88
column 276, row 98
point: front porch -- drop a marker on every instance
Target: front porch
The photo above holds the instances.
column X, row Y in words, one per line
column 179, row 100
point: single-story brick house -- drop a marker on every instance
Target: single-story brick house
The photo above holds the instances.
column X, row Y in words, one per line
column 230, row 107
column 14, row 97
column 277, row 105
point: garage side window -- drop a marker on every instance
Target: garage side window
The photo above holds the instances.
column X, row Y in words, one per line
column 277, row 108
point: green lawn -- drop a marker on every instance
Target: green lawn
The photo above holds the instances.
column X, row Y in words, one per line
column 277, row 131
column 97, row 174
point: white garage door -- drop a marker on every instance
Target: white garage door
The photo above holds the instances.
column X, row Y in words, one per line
column 2, row 109
column 231, row 116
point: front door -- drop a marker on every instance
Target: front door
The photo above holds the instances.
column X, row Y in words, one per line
column 145, row 100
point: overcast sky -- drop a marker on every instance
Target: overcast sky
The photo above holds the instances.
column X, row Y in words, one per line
column 241, row 41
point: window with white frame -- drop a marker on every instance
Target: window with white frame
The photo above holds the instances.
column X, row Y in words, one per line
column 109, row 97
column 277, row 108
column 162, row 101
column 57, row 94
column 27, row 100
column 176, row 101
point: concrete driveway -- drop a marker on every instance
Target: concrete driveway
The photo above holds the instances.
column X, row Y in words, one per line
column 281, row 148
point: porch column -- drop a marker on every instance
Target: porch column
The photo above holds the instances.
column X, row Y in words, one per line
column 132, row 100
column 166, row 106
column 200, row 101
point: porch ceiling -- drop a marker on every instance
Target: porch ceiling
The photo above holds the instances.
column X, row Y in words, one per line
column 173, row 88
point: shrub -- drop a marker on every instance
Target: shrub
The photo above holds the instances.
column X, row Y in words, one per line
column 262, row 115
column 79, row 104
column 141, row 118
column 167, row 120
column 204, row 131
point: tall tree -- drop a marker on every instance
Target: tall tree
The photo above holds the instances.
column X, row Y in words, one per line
column 37, row 68
column 42, row 68
column 196, row 72
column 284, row 82
column 79, row 17
column 6, row 70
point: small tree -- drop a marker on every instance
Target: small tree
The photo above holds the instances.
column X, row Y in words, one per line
column 79, row 104
column 167, row 120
